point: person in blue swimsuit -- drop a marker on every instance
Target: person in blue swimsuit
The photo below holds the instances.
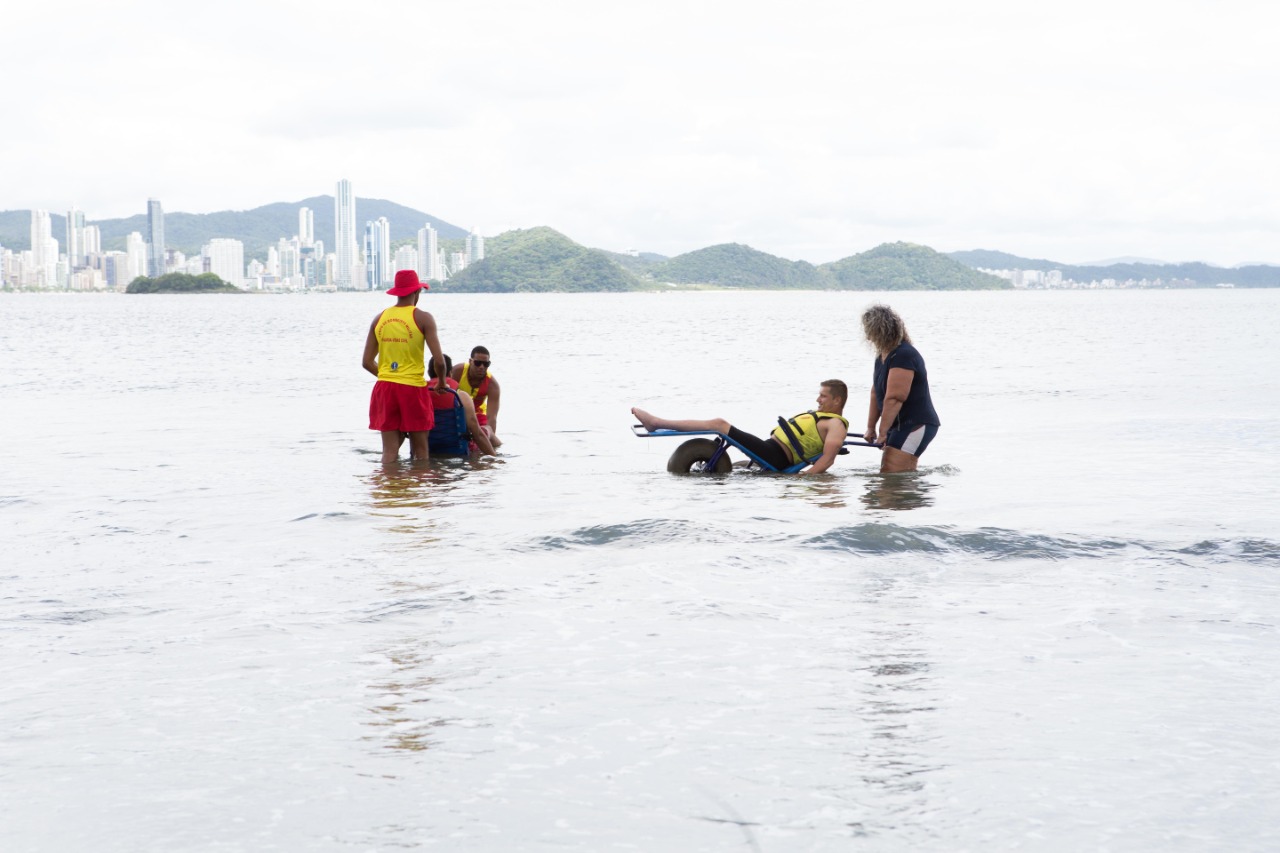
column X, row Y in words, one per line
column 901, row 416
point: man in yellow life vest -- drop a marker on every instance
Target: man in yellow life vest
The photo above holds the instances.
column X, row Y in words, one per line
column 393, row 352
column 820, row 432
column 474, row 378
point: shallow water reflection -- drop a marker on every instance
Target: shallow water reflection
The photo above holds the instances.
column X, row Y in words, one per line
column 898, row 491
column 899, row 701
column 403, row 711
column 407, row 493
column 827, row 493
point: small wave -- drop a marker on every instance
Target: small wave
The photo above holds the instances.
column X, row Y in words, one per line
column 987, row 541
column 312, row 515
column 649, row 530
column 1246, row 550
column 883, row 538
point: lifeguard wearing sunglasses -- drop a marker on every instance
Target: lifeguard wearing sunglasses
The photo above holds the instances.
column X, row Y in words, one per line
column 474, row 378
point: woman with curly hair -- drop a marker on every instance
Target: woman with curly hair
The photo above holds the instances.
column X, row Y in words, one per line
column 901, row 417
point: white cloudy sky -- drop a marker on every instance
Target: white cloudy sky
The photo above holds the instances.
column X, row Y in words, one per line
column 1074, row 131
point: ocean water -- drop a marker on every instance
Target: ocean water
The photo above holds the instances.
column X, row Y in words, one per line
column 224, row 626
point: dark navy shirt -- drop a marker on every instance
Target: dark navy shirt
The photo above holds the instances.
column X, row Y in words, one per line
column 917, row 410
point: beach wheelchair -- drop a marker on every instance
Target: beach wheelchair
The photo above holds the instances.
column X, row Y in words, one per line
column 711, row 455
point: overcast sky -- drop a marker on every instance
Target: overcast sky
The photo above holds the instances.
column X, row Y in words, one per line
column 812, row 130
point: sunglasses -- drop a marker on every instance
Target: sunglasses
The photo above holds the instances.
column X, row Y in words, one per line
column 478, row 363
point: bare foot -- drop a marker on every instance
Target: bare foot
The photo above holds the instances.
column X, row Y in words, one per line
column 646, row 420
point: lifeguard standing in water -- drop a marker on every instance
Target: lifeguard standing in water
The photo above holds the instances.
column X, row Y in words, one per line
column 474, row 378
column 394, row 352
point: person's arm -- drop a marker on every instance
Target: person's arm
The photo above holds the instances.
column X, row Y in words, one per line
column 473, row 425
column 370, row 360
column 873, row 415
column 456, row 373
column 491, row 405
column 895, row 394
column 427, row 324
column 831, row 444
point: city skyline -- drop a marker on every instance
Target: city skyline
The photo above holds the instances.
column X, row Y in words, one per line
column 297, row 262
column 1081, row 134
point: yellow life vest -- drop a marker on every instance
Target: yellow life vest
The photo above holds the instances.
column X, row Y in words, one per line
column 805, row 428
column 479, row 393
column 400, row 347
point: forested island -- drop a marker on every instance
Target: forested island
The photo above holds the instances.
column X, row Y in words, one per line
column 178, row 282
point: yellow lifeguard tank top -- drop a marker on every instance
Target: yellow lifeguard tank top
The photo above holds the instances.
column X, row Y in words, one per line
column 400, row 347
column 805, row 426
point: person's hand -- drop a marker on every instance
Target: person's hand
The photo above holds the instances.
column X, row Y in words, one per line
column 869, row 436
column 881, row 439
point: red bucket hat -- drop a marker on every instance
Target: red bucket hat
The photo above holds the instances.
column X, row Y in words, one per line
column 406, row 283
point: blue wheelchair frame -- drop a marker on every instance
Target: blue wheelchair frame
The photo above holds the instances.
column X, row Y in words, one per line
column 450, row 437
column 724, row 442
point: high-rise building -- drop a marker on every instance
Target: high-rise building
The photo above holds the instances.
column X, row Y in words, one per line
column 44, row 250
column 136, row 248
column 253, row 274
column 385, row 235
column 406, row 259
column 327, row 270
column 377, row 252
column 308, row 269
column 289, row 257
column 115, row 269
column 306, row 226
column 90, row 242
column 75, row 237
column 225, row 259
column 429, row 254
column 155, row 239
column 344, row 236
column 475, row 247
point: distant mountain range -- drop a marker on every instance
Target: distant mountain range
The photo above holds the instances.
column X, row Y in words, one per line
column 538, row 259
column 542, row 259
column 1200, row 274
column 257, row 228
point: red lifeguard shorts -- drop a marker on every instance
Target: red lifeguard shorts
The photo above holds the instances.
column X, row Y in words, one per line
column 407, row 408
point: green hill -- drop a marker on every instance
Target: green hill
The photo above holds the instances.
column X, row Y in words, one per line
column 736, row 265
column 539, row 260
column 907, row 266
column 257, row 228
